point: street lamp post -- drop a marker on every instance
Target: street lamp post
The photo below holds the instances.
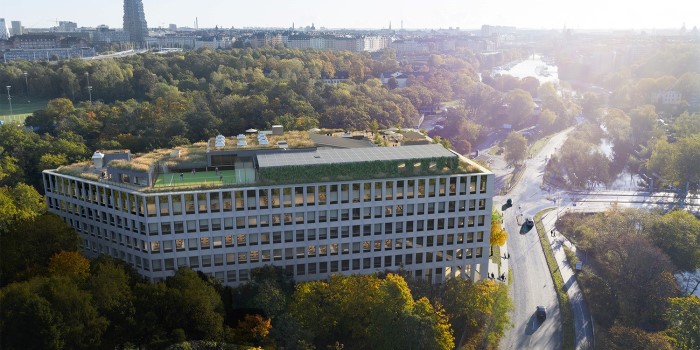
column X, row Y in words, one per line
column 26, row 84
column 89, row 87
column 9, row 99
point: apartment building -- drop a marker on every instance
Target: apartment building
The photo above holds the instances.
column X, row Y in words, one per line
column 311, row 209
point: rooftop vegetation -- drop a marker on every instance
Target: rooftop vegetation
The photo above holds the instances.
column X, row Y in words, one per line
column 364, row 170
column 82, row 169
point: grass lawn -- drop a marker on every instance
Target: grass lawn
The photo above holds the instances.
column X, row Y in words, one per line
column 224, row 177
column 20, row 108
column 453, row 103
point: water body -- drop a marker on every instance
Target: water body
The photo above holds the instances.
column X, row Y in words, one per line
column 533, row 66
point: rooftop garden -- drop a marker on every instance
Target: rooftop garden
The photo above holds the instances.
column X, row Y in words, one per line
column 82, row 169
column 364, row 170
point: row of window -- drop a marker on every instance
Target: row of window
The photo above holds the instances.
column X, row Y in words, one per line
column 264, row 256
column 301, row 218
column 264, row 198
column 290, row 236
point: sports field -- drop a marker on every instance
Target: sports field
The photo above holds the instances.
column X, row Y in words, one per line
column 223, row 177
column 20, row 108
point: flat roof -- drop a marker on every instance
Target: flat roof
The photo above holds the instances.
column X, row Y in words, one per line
column 353, row 155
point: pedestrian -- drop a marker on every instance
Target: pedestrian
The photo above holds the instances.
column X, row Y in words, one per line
column 508, row 255
column 182, row 176
column 221, row 178
column 217, row 170
column 192, row 171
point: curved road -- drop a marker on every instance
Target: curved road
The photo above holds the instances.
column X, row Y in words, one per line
column 532, row 284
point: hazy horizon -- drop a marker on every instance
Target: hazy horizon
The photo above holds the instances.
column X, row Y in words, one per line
column 364, row 14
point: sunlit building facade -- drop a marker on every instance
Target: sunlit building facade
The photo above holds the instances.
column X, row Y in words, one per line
column 433, row 224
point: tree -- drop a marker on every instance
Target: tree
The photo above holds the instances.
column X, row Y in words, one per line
column 520, row 107
column 393, row 83
column 110, row 285
column 19, row 203
column 25, row 249
column 49, row 313
column 678, row 234
column 515, row 146
column 69, row 264
column 195, row 306
column 547, row 120
column 498, row 234
column 683, row 317
column 27, row 320
column 642, row 122
column 623, row 338
column 253, row 329
column 386, row 316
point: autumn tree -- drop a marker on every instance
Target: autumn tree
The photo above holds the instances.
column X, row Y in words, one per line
column 623, row 338
column 70, row 264
column 498, row 234
column 385, row 317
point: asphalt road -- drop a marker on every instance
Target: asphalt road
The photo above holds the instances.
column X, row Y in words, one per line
column 532, row 284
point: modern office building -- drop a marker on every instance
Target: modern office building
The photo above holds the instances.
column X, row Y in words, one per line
column 296, row 200
column 135, row 21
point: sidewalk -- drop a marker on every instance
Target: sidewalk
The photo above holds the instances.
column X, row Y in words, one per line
column 583, row 324
column 503, row 269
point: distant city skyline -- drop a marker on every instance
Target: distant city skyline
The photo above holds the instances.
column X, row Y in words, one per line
column 434, row 14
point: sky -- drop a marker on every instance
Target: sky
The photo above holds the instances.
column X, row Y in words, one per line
column 376, row 14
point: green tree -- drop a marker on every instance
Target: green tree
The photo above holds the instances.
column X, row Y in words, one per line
column 678, row 234
column 520, row 107
column 19, row 203
column 547, row 120
column 683, row 317
column 195, row 306
column 27, row 320
column 110, row 285
column 25, row 249
column 515, row 146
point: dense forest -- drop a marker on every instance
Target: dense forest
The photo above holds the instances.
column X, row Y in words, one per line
column 631, row 258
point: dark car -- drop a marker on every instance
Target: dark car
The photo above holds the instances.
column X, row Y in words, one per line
column 527, row 226
column 508, row 204
column 541, row 313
